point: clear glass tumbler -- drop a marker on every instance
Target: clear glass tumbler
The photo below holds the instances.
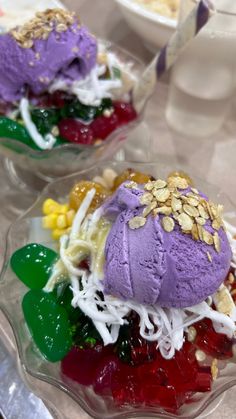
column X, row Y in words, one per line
column 204, row 78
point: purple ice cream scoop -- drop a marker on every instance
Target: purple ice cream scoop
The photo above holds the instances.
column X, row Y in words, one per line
column 67, row 54
column 152, row 266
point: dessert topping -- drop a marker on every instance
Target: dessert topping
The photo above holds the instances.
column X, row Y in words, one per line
column 42, row 25
column 189, row 210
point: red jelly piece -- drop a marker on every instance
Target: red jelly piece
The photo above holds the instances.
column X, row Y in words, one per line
column 126, row 386
column 104, row 373
column 80, row 364
column 212, row 343
column 203, row 380
column 165, row 397
column 124, row 111
column 102, row 126
column 57, row 99
column 84, row 264
column 142, row 351
column 75, row 131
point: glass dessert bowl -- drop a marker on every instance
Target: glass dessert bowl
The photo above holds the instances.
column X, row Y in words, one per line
column 100, row 344
column 66, row 102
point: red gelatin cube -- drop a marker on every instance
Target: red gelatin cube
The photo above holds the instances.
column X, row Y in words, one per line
column 80, row 364
column 125, row 112
column 102, row 126
column 203, row 381
column 75, row 131
column 126, row 386
column 142, row 351
column 57, row 99
column 215, row 344
column 165, row 397
column 104, row 373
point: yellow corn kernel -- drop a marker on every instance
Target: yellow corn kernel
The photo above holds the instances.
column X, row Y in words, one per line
column 61, row 221
column 50, row 206
column 50, row 221
column 57, row 233
column 64, row 208
column 70, row 217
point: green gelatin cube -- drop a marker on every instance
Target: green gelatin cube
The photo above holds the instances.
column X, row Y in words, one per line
column 13, row 130
column 48, row 323
column 75, row 109
column 45, row 119
column 83, row 331
column 33, row 264
column 64, row 298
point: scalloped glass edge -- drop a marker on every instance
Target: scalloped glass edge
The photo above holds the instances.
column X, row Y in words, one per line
column 52, row 190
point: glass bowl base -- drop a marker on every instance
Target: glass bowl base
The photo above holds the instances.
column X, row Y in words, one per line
column 213, row 406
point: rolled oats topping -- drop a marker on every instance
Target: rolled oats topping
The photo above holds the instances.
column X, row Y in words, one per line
column 186, row 209
column 185, row 222
column 178, row 182
column 162, row 194
column 137, row 222
column 168, row 224
column 42, row 25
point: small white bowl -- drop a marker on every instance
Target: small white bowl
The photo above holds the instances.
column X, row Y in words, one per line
column 153, row 28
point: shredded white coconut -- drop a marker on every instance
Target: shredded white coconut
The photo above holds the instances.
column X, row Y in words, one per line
column 166, row 326
column 82, row 212
column 92, row 89
column 44, row 143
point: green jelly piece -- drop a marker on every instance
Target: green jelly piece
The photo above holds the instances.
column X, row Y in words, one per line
column 85, row 333
column 64, row 297
column 75, row 109
column 106, row 104
column 45, row 119
column 48, row 323
column 33, row 264
column 60, row 141
column 14, row 130
column 82, row 328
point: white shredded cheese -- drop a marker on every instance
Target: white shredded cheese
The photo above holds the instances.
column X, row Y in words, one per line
column 44, row 143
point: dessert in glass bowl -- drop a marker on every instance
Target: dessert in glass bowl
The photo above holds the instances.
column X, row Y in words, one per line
column 62, row 94
column 131, row 286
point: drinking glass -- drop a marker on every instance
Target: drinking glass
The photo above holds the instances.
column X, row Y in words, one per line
column 203, row 79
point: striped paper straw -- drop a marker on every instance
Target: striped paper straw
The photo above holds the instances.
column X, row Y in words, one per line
column 167, row 56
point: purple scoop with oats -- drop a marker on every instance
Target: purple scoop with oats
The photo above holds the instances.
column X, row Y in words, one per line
column 52, row 45
column 153, row 266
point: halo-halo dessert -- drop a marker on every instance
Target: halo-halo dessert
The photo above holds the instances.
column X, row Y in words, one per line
column 139, row 302
column 57, row 85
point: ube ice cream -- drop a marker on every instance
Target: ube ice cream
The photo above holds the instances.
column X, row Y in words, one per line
column 170, row 266
column 52, row 45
